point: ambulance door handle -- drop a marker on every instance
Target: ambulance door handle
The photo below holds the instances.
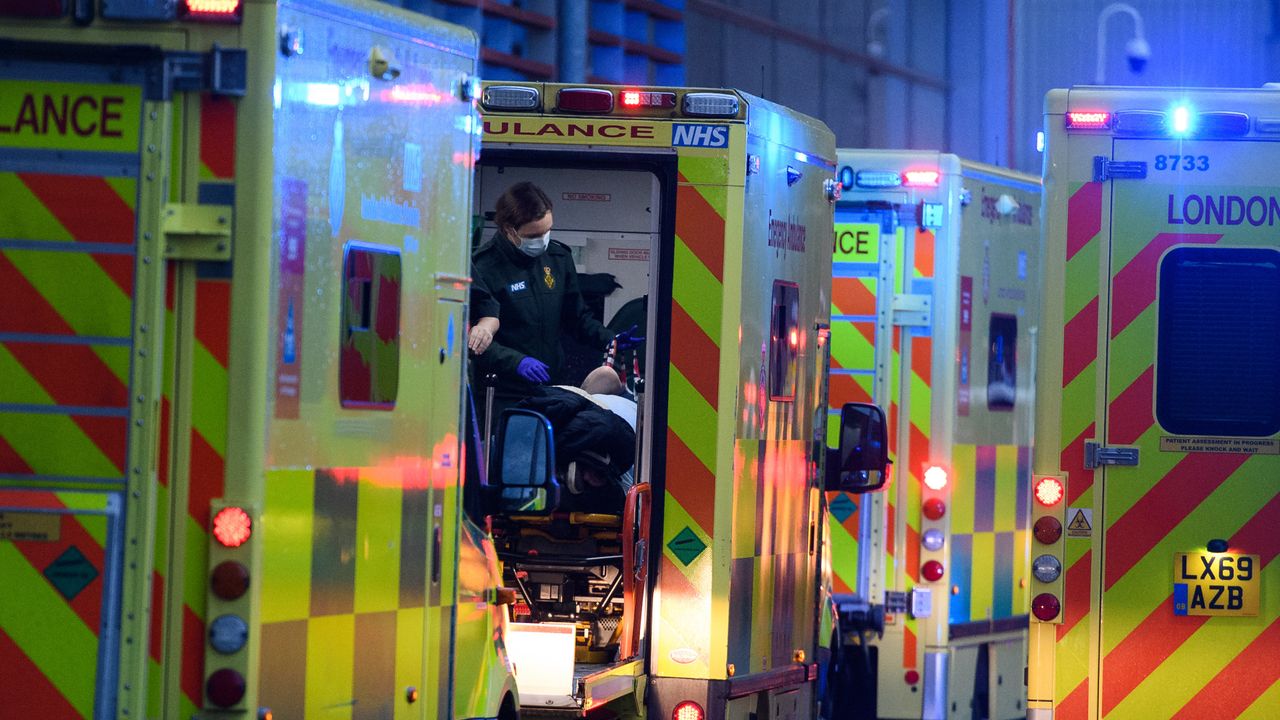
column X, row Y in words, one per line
column 1097, row 455
column 435, row 555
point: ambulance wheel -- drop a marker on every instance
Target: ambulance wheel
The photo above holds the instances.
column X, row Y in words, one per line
column 840, row 681
column 509, row 710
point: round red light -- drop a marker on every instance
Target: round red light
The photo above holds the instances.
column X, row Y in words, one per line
column 1049, row 491
column 935, row 478
column 911, row 677
column 225, row 687
column 229, row 580
column 1045, row 607
column 934, row 509
column 931, row 571
column 232, row 526
column 1047, row 530
column 688, row 710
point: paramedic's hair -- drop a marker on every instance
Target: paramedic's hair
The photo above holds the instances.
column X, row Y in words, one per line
column 522, row 203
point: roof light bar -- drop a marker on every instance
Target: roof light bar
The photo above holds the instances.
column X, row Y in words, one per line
column 224, row 10
column 584, row 100
column 510, row 97
column 632, row 99
column 920, row 178
column 877, row 179
column 1088, row 120
column 1222, row 124
column 705, row 104
column 1139, row 122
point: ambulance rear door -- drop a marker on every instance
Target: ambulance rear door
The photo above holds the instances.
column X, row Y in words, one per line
column 1186, row 451
column 82, row 293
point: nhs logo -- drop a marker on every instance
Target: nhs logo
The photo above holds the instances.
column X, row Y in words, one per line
column 690, row 135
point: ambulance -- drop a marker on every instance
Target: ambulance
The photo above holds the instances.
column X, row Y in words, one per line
column 234, row 266
column 700, row 597
column 935, row 309
column 1155, row 591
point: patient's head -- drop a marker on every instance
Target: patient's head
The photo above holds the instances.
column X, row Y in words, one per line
column 603, row 381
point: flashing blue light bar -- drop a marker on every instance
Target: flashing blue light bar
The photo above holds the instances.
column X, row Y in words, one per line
column 877, row 179
column 1180, row 123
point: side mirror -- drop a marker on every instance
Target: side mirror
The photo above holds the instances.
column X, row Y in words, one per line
column 861, row 464
column 524, row 460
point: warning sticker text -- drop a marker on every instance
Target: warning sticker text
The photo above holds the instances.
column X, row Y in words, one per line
column 1242, row 445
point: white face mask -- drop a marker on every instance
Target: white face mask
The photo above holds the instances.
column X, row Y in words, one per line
column 535, row 246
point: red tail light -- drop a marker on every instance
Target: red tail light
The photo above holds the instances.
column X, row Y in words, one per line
column 232, row 526
column 1049, row 491
column 921, row 178
column 1088, row 120
column 935, row 478
column 934, row 509
column 932, row 571
column 211, row 9
column 225, row 687
column 688, row 710
column 229, row 580
column 643, row 99
column 1047, row 530
column 1045, row 607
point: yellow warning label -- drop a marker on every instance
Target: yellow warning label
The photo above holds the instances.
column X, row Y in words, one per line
column 857, row 242
column 1240, row 445
column 1081, row 522
column 29, row 526
column 70, row 116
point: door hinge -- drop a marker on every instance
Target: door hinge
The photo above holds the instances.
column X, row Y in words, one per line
column 912, row 310
column 1106, row 169
column 221, row 71
column 196, row 232
column 1096, row 455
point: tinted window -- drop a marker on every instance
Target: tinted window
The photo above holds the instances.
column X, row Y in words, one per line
column 1002, row 362
column 1218, row 368
column 784, row 341
column 369, row 365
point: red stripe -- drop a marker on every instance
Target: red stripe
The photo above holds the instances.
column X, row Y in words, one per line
column 207, row 479
column 158, row 616
column 1084, row 217
column 908, row 647
column 851, row 297
column 162, row 464
column 192, row 676
column 25, row 691
column 691, row 483
column 1163, row 506
column 1134, row 287
column 922, row 358
column 1080, row 342
column 1131, row 412
column 891, row 523
column 1241, row 682
column 213, row 317
column 700, row 227
column 11, row 461
column 924, row 252
column 1075, row 706
column 1078, row 586
column 218, row 135
column 1079, row 479
column 90, row 211
column 1162, row 632
column 843, row 389
column 913, row 554
column 695, row 354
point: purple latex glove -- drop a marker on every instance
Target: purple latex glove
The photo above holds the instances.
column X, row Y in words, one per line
column 627, row 339
column 533, row 370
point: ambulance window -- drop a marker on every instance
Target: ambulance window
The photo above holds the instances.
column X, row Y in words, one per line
column 1218, row 342
column 784, row 341
column 369, row 360
column 1002, row 363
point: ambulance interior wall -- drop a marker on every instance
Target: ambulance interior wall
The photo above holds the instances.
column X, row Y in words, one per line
column 610, row 219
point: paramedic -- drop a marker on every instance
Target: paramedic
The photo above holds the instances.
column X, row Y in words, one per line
column 528, row 282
